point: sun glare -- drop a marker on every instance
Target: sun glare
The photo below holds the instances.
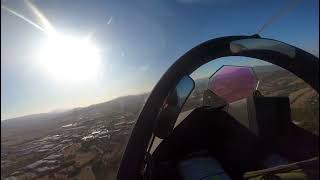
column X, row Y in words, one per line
column 65, row 58
column 69, row 59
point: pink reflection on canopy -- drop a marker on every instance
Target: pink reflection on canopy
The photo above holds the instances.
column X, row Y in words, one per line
column 233, row 83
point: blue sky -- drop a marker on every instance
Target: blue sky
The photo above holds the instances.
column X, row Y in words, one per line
column 139, row 41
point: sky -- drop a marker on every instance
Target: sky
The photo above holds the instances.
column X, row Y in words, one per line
column 137, row 42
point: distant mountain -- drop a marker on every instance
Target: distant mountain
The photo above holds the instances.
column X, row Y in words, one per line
column 38, row 124
column 131, row 103
column 271, row 71
column 267, row 68
column 31, row 120
column 121, row 102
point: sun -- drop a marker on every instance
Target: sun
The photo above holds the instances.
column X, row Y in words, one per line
column 69, row 59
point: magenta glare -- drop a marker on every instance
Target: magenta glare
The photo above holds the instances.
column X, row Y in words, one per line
column 233, row 83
